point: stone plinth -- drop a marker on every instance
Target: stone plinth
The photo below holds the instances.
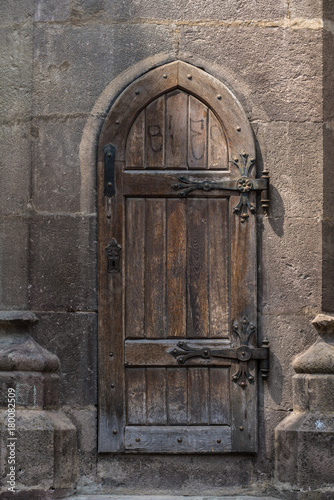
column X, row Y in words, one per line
column 304, row 441
column 42, row 439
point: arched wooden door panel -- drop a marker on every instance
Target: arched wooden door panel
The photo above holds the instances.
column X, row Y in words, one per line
column 177, row 268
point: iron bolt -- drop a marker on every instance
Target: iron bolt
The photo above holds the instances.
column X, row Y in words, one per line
column 219, row 97
column 179, row 440
column 241, row 428
column 137, row 92
column 114, row 431
column 111, row 354
column 189, row 77
column 219, row 441
column 112, row 386
column 164, row 75
column 137, row 440
column 109, row 184
column 238, row 129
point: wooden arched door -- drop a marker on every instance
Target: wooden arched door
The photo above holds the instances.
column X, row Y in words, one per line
column 177, row 268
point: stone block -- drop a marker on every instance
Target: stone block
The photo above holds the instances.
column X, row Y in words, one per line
column 288, row 335
column 195, row 10
column 73, row 64
column 305, row 452
column 63, row 263
column 328, row 69
column 16, row 72
column 308, row 9
column 13, row 263
column 52, row 10
column 45, row 451
column 85, row 421
column 314, row 393
column 16, row 12
column 73, row 338
column 276, row 72
column 290, row 271
column 14, row 168
column 56, row 165
column 292, row 152
column 200, row 475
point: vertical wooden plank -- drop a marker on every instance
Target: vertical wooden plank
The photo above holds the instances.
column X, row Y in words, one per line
column 197, row 134
column 136, row 396
column 219, row 396
column 135, row 261
column 243, row 304
column 110, row 317
column 156, row 396
column 218, row 268
column 155, row 133
column 176, row 268
column 176, row 129
column 135, row 143
column 155, row 267
column 177, row 400
column 198, row 396
column 197, row 268
column 217, row 145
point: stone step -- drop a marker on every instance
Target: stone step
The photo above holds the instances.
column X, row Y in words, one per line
column 168, row 497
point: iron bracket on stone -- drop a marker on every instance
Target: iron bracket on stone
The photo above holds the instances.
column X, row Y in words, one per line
column 244, row 353
column 243, row 184
column 109, row 170
column 114, row 251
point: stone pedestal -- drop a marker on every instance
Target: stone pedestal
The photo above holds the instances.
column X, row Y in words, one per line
column 304, row 441
column 36, row 437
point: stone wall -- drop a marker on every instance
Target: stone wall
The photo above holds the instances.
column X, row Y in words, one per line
column 59, row 58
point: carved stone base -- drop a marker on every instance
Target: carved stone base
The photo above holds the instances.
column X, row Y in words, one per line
column 35, row 436
column 304, row 441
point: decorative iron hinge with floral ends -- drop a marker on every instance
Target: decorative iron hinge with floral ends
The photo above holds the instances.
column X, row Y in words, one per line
column 244, row 353
column 244, row 184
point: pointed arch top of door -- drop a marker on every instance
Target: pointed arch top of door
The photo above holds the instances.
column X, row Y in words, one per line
column 190, row 79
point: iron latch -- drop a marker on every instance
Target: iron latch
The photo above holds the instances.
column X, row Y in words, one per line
column 244, row 184
column 244, row 353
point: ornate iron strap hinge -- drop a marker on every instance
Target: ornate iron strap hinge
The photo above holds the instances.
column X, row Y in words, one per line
column 243, row 353
column 243, row 184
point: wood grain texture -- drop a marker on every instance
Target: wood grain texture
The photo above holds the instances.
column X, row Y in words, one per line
column 176, row 268
column 156, row 396
column 217, row 144
column 198, row 395
column 158, row 352
column 155, row 267
column 219, row 239
column 135, row 267
column 197, row 269
column 176, row 439
column 155, row 134
column 135, row 146
column 176, row 130
column 197, row 134
column 219, row 401
column 136, row 396
column 177, row 396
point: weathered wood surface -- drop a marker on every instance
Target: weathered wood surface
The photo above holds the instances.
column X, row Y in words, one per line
column 158, row 353
column 177, row 263
column 173, row 439
column 188, row 269
column 177, row 131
